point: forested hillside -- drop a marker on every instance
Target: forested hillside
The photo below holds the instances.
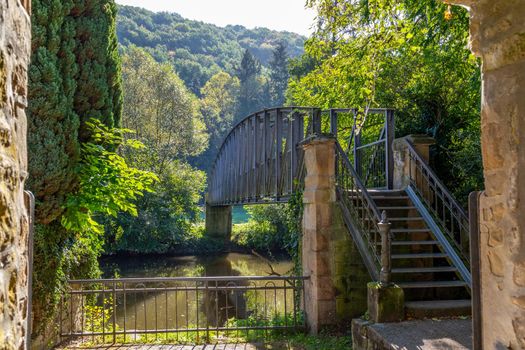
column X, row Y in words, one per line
column 199, row 50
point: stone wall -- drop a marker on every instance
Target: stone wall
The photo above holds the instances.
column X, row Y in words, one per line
column 497, row 32
column 349, row 274
column 15, row 43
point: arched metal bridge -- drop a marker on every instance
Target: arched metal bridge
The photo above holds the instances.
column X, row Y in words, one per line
column 260, row 160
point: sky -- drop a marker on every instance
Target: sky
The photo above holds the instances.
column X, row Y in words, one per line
column 289, row 15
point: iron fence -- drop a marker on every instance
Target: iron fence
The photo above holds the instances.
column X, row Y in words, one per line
column 181, row 309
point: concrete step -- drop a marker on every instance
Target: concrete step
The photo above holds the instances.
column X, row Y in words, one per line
column 432, row 284
column 410, row 230
column 424, row 269
column 438, row 308
column 406, row 218
column 419, row 256
column 396, row 207
column 399, row 243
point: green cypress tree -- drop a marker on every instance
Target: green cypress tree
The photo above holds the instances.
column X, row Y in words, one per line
column 278, row 75
column 99, row 92
column 74, row 75
column 251, row 89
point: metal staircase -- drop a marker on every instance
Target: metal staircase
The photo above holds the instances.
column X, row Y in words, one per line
column 423, row 257
column 421, row 265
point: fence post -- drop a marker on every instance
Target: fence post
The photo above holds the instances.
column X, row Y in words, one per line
column 333, row 123
column 390, row 135
column 386, row 246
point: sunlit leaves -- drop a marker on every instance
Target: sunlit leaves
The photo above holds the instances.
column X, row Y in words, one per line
column 108, row 185
column 402, row 54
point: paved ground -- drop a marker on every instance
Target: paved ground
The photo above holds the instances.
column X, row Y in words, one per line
column 453, row 334
column 179, row 347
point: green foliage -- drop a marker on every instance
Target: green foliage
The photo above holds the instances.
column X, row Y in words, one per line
column 165, row 217
column 161, row 111
column 74, row 71
column 273, row 228
column 218, row 106
column 251, row 93
column 405, row 55
column 198, row 50
column 279, row 75
column 171, row 128
column 108, row 185
column 99, row 86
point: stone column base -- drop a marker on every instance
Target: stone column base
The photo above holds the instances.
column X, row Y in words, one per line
column 385, row 303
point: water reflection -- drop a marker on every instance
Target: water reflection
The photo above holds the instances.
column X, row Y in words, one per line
column 191, row 304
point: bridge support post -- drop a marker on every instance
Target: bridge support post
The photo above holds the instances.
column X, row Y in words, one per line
column 319, row 198
column 219, row 222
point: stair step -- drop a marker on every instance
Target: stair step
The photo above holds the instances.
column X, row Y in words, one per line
column 409, row 230
column 432, row 284
column 388, row 197
column 408, row 218
column 438, row 308
column 415, row 242
column 396, row 208
column 424, row 269
column 419, row 256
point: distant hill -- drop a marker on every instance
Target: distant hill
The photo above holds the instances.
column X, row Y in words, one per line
column 197, row 49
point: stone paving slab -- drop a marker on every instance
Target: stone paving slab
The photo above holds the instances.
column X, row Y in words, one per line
column 243, row 346
column 444, row 334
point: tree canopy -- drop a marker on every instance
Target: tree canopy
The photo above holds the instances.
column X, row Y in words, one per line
column 199, row 50
column 408, row 55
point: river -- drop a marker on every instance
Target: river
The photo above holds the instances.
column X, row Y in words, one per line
column 161, row 309
column 232, row 264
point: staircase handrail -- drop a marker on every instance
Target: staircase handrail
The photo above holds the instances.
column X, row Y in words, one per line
column 458, row 235
column 360, row 214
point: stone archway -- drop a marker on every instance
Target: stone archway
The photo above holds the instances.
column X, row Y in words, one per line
column 497, row 35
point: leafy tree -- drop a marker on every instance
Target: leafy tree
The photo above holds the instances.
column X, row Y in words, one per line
column 279, row 75
column 99, row 86
column 107, row 186
column 74, row 75
column 161, row 112
column 251, row 87
column 198, row 50
column 163, row 115
column 165, row 217
column 407, row 55
column 218, row 106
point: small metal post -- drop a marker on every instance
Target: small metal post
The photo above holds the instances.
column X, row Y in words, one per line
column 114, row 306
column 386, row 245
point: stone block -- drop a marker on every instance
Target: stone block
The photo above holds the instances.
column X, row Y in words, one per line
column 15, row 44
column 385, row 303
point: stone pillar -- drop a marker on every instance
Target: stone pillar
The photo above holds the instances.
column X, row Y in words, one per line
column 319, row 198
column 219, row 222
column 497, row 35
column 422, row 145
column 15, row 46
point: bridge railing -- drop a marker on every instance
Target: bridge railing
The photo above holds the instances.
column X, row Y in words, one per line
column 442, row 205
column 260, row 160
column 181, row 309
column 362, row 216
column 368, row 137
